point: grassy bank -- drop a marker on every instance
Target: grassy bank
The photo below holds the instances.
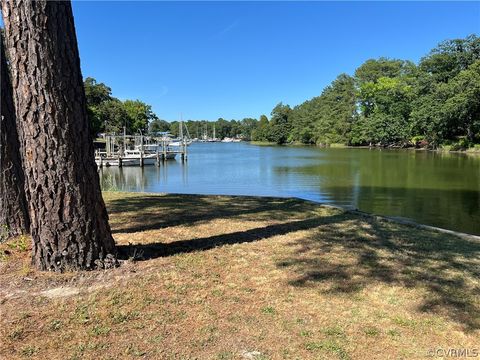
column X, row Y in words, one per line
column 469, row 150
column 263, row 143
column 246, row 278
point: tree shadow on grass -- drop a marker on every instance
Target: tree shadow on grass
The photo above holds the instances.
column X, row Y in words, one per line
column 342, row 253
column 149, row 212
column 155, row 250
column 347, row 260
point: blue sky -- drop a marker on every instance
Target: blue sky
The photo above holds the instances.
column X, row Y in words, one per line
column 239, row 59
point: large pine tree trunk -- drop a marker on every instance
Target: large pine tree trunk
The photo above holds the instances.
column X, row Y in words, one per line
column 69, row 222
column 13, row 205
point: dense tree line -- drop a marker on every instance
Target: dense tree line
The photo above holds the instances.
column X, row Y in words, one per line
column 108, row 114
column 222, row 128
column 391, row 102
column 386, row 102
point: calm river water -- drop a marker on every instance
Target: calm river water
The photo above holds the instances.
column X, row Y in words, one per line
column 431, row 188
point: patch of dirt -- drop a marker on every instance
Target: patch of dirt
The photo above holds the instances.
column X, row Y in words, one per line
column 60, row 292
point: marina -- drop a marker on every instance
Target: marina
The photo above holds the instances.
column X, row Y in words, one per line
column 139, row 150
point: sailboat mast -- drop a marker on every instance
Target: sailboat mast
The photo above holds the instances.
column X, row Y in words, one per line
column 124, row 139
column 180, row 135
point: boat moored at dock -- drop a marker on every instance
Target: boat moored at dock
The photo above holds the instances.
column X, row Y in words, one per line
column 138, row 150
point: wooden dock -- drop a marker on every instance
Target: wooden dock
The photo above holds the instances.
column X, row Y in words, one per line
column 139, row 150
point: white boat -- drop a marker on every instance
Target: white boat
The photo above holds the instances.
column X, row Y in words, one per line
column 229, row 140
column 150, row 150
column 178, row 142
column 148, row 158
column 114, row 161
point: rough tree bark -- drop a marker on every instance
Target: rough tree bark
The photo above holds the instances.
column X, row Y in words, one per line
column 69, row 222
column 13, row 205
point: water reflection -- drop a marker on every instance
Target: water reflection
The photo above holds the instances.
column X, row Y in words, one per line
column 146, row 179
column 437, row 189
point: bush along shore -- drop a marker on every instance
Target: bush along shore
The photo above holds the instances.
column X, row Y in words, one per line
column 220, row 277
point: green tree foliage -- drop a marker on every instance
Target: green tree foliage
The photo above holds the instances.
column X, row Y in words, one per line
column 280, row 126
column 328, row 118
column 223, row 128
column 444, row 109
column 338, row 113
column 373, row 69
column 450, row 57
column 462, row 105
column 385, row 89
column 278, row 130
column 452, row 109
column 158, row 125
column 247, row 128
column 113, row 116
column 260, row 133
column 139, row 115
column 303, row 118
column 109, row 114
column 385, row 110
column 96, row 94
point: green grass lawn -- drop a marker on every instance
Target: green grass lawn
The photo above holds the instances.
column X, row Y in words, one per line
column 218, row 277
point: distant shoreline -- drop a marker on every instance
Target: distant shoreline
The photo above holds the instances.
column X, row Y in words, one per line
column 469, row 151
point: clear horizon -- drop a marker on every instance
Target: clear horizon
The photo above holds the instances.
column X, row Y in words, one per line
column 239, row 59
